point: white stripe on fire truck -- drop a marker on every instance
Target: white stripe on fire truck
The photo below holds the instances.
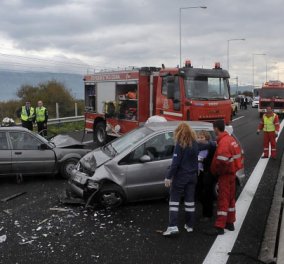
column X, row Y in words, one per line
column 172, row 114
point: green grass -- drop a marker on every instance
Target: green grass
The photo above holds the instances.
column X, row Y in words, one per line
column 63, row 128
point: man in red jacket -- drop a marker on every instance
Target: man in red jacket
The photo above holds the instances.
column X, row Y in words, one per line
column 270, row 126
column 226, row 162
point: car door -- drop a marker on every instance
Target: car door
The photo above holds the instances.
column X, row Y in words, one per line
column 27, row 155
column 5, row 155
column 146, row 179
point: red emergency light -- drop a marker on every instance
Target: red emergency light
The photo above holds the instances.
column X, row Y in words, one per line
column 217, row 65
column 188, row 64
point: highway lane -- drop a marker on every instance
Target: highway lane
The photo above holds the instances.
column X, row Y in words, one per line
column 130, row 234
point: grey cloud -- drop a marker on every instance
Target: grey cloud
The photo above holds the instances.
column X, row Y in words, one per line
column 147, row 32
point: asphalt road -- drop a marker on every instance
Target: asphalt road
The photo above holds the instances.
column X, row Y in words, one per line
column 37, row 232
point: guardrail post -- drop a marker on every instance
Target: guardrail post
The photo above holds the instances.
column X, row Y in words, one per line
column 57, row 110
column 76, row 109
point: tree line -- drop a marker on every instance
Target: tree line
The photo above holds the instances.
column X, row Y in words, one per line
column 50, row 93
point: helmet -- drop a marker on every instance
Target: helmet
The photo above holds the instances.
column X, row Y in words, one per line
column 6, row 122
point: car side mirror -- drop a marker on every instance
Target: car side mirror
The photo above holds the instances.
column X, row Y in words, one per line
column 43, row 146
column 145, row 158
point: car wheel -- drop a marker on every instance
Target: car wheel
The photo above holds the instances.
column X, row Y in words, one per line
column 111, row 196
column 100, row 135
column 67, row 167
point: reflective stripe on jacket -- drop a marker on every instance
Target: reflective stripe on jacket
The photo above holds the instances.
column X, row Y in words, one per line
column 40, row 114
column 24, row 114
column 269, row 123
column 228, row 158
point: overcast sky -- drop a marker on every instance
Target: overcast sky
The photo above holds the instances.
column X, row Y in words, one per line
column 88, row 34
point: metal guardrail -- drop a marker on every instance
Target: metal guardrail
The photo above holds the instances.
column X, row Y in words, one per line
column 61, row 120
column 65, row 120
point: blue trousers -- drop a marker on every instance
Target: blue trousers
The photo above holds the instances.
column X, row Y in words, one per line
column 178, row 189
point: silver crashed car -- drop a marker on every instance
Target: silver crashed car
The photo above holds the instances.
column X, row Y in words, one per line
column 23, row 152
column 130, row 168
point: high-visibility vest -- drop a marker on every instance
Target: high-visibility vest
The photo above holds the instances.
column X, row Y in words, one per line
column 40, row 114
column 268, row 123
column 24, row 114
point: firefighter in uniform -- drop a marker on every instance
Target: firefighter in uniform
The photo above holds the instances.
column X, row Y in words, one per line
column 182, row 178
column 41, row 119
column 226, row 162
column 27, row 115
column 270, row 126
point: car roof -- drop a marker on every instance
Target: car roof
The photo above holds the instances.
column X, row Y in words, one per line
column 13, row 128
column 171, row 125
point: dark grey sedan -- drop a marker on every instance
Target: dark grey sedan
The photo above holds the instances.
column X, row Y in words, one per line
column 23, row 152
column 132, row 167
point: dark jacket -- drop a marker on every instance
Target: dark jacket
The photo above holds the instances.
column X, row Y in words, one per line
column 185, row 162
column 211, row 147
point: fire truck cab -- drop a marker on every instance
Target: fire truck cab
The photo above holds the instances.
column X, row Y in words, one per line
column 271, row 94
column 117, row 102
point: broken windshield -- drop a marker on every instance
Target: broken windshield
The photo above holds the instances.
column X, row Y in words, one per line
column 206, row 88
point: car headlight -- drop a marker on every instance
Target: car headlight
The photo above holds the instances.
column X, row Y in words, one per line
column 92, row 185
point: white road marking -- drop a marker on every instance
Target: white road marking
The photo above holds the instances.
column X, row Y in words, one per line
column 223, row 244
column 237, row 118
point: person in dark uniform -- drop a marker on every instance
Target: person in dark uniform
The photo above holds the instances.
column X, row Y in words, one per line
column 206, row 181
column 27, row 115
column 182, row 178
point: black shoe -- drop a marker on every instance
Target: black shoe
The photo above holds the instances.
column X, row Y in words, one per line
column 215, row 231
column 230, row 226
column 264, row 157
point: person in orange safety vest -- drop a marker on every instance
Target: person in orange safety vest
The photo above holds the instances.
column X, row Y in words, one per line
column 270, row 126
column 227, row 161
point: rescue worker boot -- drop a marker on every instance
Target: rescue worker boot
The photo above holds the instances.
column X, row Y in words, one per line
column 171, row 230
column 230, row 226
column 215, row 231
column 188, row 229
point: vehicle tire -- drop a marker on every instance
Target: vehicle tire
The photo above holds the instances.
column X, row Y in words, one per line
column 100, row 135
column 110, row 196
column 67, row 166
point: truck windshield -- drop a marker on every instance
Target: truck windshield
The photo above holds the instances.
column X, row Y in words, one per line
column 271, row 93
column 206, row 88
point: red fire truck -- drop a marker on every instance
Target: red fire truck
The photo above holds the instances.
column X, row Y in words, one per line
column 271, row 94
column 119, row 101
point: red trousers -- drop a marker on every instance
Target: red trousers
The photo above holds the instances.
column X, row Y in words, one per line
column 269, row 137
column 226, row 210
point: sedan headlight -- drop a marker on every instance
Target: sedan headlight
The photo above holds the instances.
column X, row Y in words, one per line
column 92, row 185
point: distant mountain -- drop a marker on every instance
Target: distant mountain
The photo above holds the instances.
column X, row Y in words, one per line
column 10, row 82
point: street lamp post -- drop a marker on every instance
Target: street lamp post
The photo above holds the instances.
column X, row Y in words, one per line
column 256, row 54
column 180, row 9
column 228, row 51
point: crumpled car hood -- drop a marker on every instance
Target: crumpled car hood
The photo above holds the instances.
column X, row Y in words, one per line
column 65, row 141
column 94, row 159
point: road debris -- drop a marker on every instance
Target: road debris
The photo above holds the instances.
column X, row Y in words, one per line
column 12, row 197
column 60, row 209
column 79, row 233
column 43, row 221
column 8, row 212
column 27, row 242
column 3, row 238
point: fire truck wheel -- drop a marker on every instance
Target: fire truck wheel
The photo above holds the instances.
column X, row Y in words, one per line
column 100, row 135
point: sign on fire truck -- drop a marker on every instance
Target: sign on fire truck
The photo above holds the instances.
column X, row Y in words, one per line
column 117, row 102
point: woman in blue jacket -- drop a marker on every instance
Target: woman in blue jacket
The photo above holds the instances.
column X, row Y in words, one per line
column 182, row 178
